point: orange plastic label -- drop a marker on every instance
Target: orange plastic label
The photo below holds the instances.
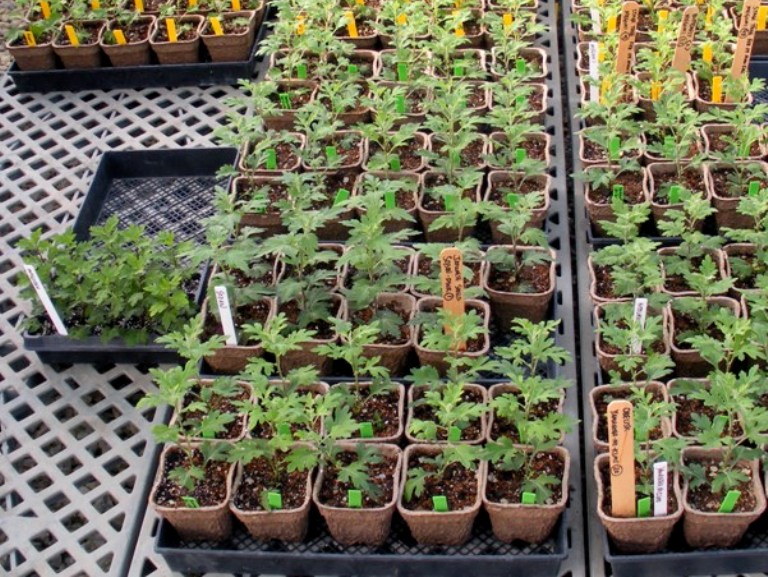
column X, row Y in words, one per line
column 621, row 453
column 459, row 27
column 300, row 26
column 663, row 15
column 236, row 5
column 72, row 35
column 170, row 25
column 706, row 53
column 717, row 89
column 611, row 26
column 655, row 90
column 29, row 38
column 95, row 5
column 507, row 19
column 119, row 36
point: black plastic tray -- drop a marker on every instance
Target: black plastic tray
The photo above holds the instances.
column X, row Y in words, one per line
column 161, row 189
column 155, row 75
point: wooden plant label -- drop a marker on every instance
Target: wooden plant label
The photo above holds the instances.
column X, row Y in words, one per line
column 660, row 472
column 594, row 71
column 452, row 283
column 762, row 18
column 621, row 452
column 29, row 38
column 746, row 39
column 45, row 8
column 71, row 35
column 42, row 294
column 119, row 37
column 440, row 503
column 630, row 12
column 139, row 5
column 225, row 313
column 639, row 314
column 351, row 24
column 170, row 25
column 685, row 36
column 217, row 29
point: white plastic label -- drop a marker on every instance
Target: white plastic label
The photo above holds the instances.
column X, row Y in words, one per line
column 595, row 14
column 225, row 313
column 42, row 294
column 660, row 489
column 594, row 71
column 639, row 314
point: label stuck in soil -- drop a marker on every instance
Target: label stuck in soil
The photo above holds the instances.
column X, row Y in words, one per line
column 400, row 104
column 29, row 38
column 745, row 38
column 520, row 155
column 389, row 199
column 440, row 503
column 674, row 194
column 285, row 101
column 274, row 500
column 452, row 283
column 236, row 7
column 528, row 498
column 621, row 453
column 341, row 197
column 42, row 294
column 351, row 24
column 507, row 20
column 139, row 5
column 45, row 8
column 394, row 164
column 681, row 61
column 729, row 502
column 630, row 14
column 354, row 498
column 660, row 472
column 271, row 160
column 119, row 37
column 594, row 71
column 71, row 35
column 762, row 18
column 217, row 29
column 402, row 72
column 366, row 430
column 170, row 25
column 225, row 313
column 454, row 434
column 717, row 89
column 644, row 507
column 95, row 5
column 754, row 188
column 639, row 315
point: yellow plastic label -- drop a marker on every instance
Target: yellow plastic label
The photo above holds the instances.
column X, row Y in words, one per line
column 459, row 27
column 709, row 16
column 706, row 53
column 611, row 25
column 170, row 25
column 69, row 29
column 119, row 36
column 139, row 5
column 605, row 86
column 401, row 19
column 655, row 90
column 236, row 5
column 216, row 25
column 300, row 26
column 600, row 52
column 351, row 24
column 762, row 18
column 663, row 15
column 95, row 5
column 507, row 20
column 717, row 89
column 360, row 2
column 191, row 3
column 45, row 8
column 29, row 38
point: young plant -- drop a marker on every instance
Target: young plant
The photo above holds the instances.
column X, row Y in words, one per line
column 464, row 328
column 437, row 470
column 430, row 283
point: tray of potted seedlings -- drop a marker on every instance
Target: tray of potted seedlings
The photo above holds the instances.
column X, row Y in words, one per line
column 368, row 177
column 670, row 189
column 122, row 275
column 105, row 44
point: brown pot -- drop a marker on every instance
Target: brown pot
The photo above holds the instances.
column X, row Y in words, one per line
column 433, row 528
column 482, row 391
column 133, row 53
column 703, row 105
column 543, row 140
column 285, row 118
column 730, row 252
column 204, row 523
column 232, row 359
column 652, row 174
column 287, row 525
column 497, row 178
column 717, row 256
column 478, row 259
column 704, row 384
column 529, row 523
column 424, row 144
column 183, row 51
column 438, row 358
column 655, row 387
column 689, row 362
column 394, row 357
column 427, row 217
column 306, row 356
column 636, row 535
column 724, row 530
column 230, row 47
column 362, row 147
column 393, row 225
column 476, row 57
column 484, row 88
column 507, row 306
column 84, row 55
column 727, row 214
column 502, row 389
column 241, row 418
column 600, row 212
column 400, row 414
column 364, row 42
column 434, row 146
column 596, row 298
column 411, row 92
column 535, row 55
column 709, row 132
column 300, row 140
column 269, row 223
column 646, row 104
column 361, row 526
column 40, row 57
column 636, row 153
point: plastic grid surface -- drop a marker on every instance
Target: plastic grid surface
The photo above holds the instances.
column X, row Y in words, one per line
column 73, row 448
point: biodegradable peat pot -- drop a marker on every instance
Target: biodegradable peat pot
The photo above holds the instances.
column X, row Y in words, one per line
column 366, row 525
column 411, row 160
column 287, row 525
column 590, row 153
column 299, row 92
column 474, row 154
column 407, row 200
column 508, row 305
column 501, row 179
column 760, row 45
column 677, row 397
column 182, row 51
column 535, row 144
column 606, row 358
column 646, row 104
column 636, row 535
column 351, row 159
column 529, row 523
column 596, row 285
column 39, row 57
column 746, row 251
column 498, row 427
column 438, row 358
column 232, row 359
column 712, row 529
column 472, row 60
column 306, row 356
column 367, row 413
column 598, row 201
column 688, row 361
column 678, row 290
column 658, row 172
column 727, row 214
column 394, row 356
column 208, row 522
column 86, row 55
column 424, row 266
column 430, row 209
column 704, row 101
column 428, row 527
column 416, row 100
column 713, row 136
column 482, row 422
column 599, row 404
column 136, row 52
column 232, row 432
column 288, row 156
column 367, row 37
column 535, row 58
column 231, row 46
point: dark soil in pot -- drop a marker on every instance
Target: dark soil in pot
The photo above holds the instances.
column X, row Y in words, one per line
column 684, row 323
column 718, row 143
column 505, row 428
column 677, row 284
column 633, row 190
column 507, row 486
column 686, row 408
column 232, row 430
column 530, row 279
column 535, row 147
column 472, row 155
column 364, row 316
column 259, row 477
column 703, row 499
column 478, row 343
column 499, row 190
column 209, row 493
column 333, row 491
column 721, row 186
column 256, row 312
column 428, row 268
column 383, row 414
column 285, row 154
column 409, row 156
column 435, row 202
column 459, row 486
column 601, row 405
column 185, row 35
column 323, row 329
column 472, row 432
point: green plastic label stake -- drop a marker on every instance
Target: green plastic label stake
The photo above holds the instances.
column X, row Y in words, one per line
column 644, row 507
column 618, row 191
column 521, row 100
column 271, row 159
column 353, row 69
column 341, row 196
column 440, row 503
column 366, row 430
column 331, row 153
column 614, row 148
column 729, row 502
column 669, row 147
column 190, row 502
column 283, row 429
column 454, row 434
column 263, row 208
column 520, row 155
column 458, row 70
column 301, row 71
column 389, row 199
column 209, row 435
column 402, row 72
column 528, row 498
column 455, row 157
column 285, row 101
column 521, row 66
column 512, row 199
column 754, row 188
column 400, row 104
column 394, row 164
column 354, row 499
column 674, row 194
column 449, row 200
column 274, row 500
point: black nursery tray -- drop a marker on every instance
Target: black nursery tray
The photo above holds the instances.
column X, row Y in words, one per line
column 162, row 190
column 319, row 554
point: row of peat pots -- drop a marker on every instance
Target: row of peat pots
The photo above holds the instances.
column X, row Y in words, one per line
column 670, row 198
column 375, row 371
